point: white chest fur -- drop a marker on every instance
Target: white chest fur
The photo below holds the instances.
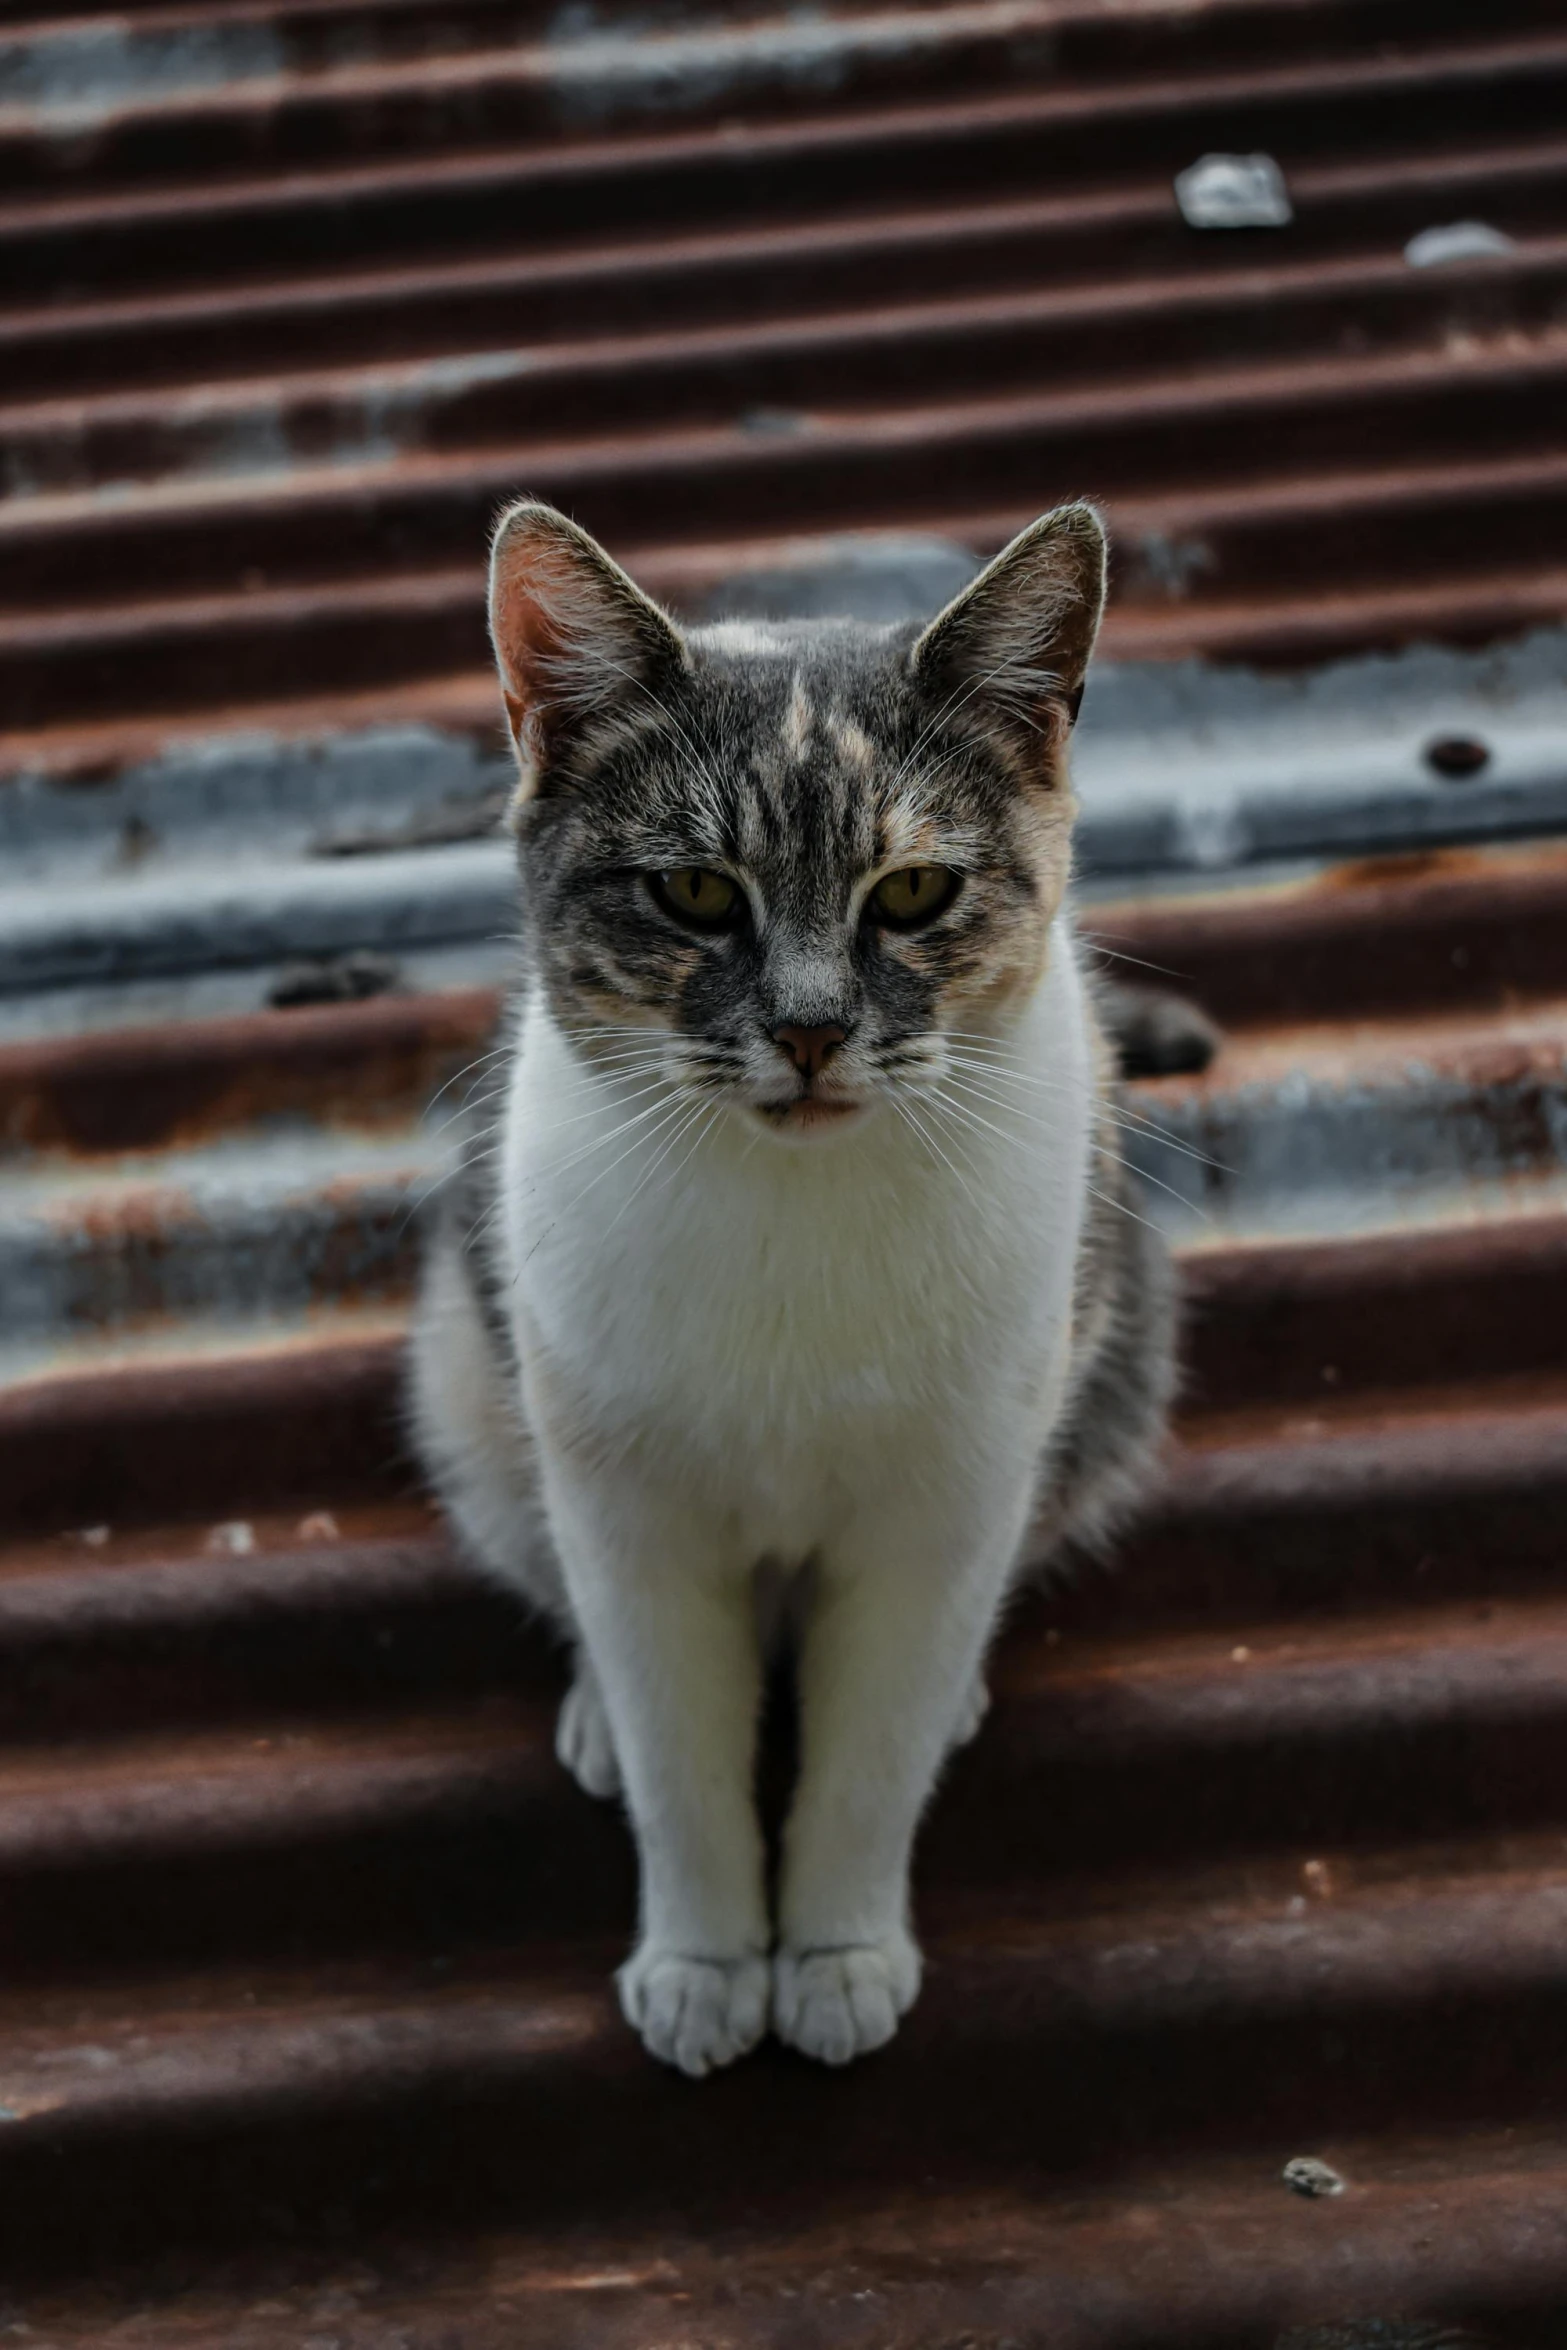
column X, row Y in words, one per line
column 789, row 1326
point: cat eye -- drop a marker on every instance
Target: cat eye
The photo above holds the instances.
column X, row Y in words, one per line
column 703, row 900
column 913, row 895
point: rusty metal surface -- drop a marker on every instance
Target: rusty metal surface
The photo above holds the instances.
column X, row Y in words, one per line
column 305, row 2035
column 294, row 295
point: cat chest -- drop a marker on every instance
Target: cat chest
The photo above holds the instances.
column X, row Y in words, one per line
column 785, row 1351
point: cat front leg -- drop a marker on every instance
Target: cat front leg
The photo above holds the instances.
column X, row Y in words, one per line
column 668, row 1627
column 888, row 1669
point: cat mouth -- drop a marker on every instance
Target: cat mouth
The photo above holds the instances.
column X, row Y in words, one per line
column 807, row 1113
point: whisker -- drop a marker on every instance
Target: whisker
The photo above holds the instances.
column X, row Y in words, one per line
column 1111, row 1201
column 637, row 1143
column 1136, row 1129
column 1132, row 1120
column 1097, row 946
column 700, row 1110
column 1141, row 1173
column 499, row 1052
column 553, row 1167
column 932, row 1144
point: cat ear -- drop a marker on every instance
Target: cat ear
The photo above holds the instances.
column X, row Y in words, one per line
column 1011, row 651
column 574, row 638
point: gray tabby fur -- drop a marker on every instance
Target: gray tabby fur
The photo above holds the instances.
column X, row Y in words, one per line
column 799, row 761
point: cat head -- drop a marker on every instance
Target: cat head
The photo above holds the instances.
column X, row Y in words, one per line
column 807, row 857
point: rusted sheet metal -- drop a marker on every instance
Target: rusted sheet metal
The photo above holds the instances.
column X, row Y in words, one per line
column 501, row 96
column 1079, row 240
column 1219, row 1947
column 882, row 306
column 1294, row 1135
column 1434, row 930
column 683, row 481
column 1437, row 933
column 809, row 364
column 306, row 2033
column 314, row 1417
column 366, row 1065
column 1085, row 2274
column 185, row 884
column 129, row 1208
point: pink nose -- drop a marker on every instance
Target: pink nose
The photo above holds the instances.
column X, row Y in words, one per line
column 810, row 1049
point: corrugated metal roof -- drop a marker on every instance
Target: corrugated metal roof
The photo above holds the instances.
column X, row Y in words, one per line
column 305, row 2037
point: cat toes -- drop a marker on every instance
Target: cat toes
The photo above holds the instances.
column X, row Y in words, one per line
column 976, row 1705
column 838, row 2004
column 697, row 2013
column 582, row 1739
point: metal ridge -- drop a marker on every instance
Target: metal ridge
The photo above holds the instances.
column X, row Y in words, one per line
column 1334, row 196
column 857, row 136
column 27, row 134
column 378, row 411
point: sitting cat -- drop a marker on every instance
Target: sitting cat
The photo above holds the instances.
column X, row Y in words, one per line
column 802, row 1278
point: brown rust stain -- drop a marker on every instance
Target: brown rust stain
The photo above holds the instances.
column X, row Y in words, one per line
column 1388, row 936
column 371, row 1065
column 1401, row 867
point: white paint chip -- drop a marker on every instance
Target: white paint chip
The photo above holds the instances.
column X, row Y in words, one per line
column 1233, row 191
column 1462, row 240
column 1305, row 2174
column 235, row 1538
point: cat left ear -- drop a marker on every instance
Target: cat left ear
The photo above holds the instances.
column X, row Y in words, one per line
column 575, row 639
column 1011, row 652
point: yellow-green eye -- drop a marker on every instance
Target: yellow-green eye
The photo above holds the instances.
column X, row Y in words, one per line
column 914, row 894
column 708, row 901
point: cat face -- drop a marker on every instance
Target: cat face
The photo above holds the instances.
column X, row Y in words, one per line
column 803, row 861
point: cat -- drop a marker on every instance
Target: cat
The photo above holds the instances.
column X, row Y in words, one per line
column 797, row 1287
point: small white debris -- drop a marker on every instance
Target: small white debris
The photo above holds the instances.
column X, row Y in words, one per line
column 1240, row 1656
column 1461, row 240
column 1233, row 191
column 1305, row 2175
column 235, row 1538
column 320, row 1526
column 94, row 1536
column 1317, row 1878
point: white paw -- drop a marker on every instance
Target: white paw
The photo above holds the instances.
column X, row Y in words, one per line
column 976, row 1705
column 697, row 2013
column 582, row 1739
column 838, row 2004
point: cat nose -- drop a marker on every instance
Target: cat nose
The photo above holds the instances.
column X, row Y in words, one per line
column 810, row 1049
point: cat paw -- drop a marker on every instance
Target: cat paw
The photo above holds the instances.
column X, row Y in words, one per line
column 697, row 2013
column 839, row 2004
column 582, row 1739
column 976, row 1705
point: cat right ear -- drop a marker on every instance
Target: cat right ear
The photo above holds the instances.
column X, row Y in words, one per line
column 574, row 637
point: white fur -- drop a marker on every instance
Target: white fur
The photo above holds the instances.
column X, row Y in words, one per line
column 843, row 1356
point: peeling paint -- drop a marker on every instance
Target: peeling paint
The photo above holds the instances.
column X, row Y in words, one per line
column 74, row 75
column 598, row 77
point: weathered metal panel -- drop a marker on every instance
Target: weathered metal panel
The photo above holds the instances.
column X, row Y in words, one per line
column 305, row 2035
